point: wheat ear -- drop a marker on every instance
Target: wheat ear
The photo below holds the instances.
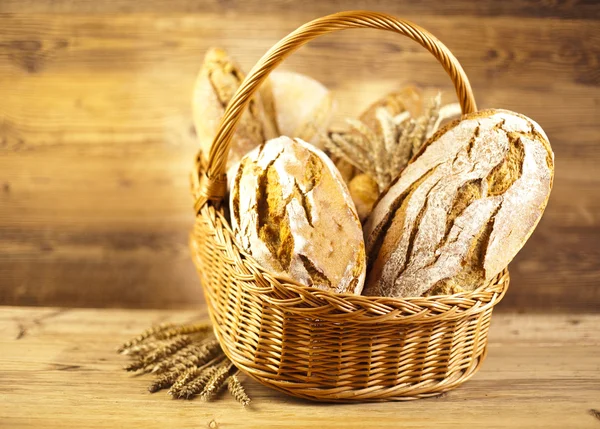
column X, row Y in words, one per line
column 237, row 390
column 162, row 351
column 150, row 332
column 216, row 382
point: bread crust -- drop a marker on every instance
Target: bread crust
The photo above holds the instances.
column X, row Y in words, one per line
column 218, row 80
column 462, row 208
column 291, row 210
column 301, row 106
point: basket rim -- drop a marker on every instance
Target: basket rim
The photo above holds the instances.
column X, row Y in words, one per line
column 289, row 295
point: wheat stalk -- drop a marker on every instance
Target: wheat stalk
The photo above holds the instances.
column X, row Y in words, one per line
column 433, row 114
column 363, row 130
column 150, row 332
column 216, row 382
column 237, row 390
column 383, row 155
column 403, row 150
column 186, row 358
column 164, row 380
column 197, row 328
column 170, row 377
column 159, row 353
column 445, row 112
column 184, row 379
column 193, row 355
column 348, row 148
column 141, row 349
column 198, row 384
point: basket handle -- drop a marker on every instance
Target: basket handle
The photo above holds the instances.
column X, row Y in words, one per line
column 213, row 184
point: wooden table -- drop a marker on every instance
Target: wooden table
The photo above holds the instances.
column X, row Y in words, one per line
column 58, row 368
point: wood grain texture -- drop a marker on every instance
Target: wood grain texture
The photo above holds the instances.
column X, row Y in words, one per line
column 96, row 135
column 60, row 369
column 572, row 9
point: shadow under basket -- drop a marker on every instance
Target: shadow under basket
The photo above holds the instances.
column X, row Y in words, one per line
column 315, row 344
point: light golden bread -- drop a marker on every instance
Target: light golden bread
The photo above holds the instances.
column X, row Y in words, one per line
column 217, row 82
column 291, row 210
column 300, row 106
column 364, row 192
column 462, row 209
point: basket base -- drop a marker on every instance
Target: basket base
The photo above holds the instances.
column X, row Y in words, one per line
column 421, row 391
column 400, row 392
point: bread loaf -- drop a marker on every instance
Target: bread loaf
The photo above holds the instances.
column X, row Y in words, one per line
column 300, row 106
column 292, row 212
column 408, row 99
column 364, row 192
column 215, row 85
column 460, row 212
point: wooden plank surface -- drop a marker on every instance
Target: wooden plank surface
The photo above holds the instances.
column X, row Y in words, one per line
column 96, row 136
column 571, row 9
column 58, row 368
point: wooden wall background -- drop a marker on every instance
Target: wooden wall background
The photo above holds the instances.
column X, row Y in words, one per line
column 96, row 136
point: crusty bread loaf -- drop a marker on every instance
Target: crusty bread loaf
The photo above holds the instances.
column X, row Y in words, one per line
column 301, row 106
column 291, row 210
column 460, row 212
column 215, row 85
column 408, row 99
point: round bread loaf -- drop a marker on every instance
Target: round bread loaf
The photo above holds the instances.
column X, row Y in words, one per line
column 301, row 106
column 461, row 211
column 291, row 210
column 408, row 99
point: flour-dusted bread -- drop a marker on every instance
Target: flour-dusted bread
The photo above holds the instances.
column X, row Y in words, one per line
column 460, row 212
column 301, row 106
column 291, row 210
column 215, row 85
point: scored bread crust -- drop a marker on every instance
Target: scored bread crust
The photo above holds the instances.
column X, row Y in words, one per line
column 462, row 209
column 216, row 83
column 291, row 210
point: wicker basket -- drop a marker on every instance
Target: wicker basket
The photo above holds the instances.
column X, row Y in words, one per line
column 315, row 344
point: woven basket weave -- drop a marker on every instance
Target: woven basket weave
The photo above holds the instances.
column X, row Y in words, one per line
column 320, row 345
